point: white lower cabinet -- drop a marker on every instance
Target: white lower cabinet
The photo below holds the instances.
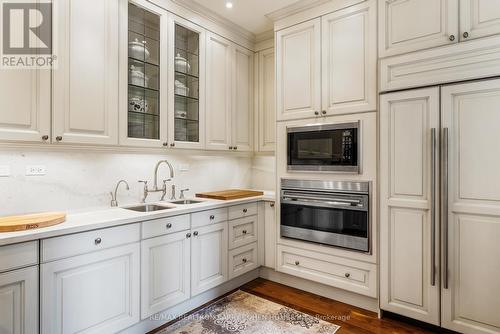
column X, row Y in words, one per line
column 209, row 250
column 165, row 267
column 19, row 301
column 96, row 292
column 355, row 276
column 243, row 260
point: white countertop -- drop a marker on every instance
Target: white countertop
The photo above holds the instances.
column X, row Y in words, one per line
column 92, row 220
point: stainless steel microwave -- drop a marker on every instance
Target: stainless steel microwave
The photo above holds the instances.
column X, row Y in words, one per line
column 324, row 147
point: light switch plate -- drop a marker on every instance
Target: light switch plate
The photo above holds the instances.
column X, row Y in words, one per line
column 4, row 170
column 184, row 167
column 35, row 170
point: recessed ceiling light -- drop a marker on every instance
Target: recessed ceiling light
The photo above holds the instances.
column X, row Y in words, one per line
column 229, row 4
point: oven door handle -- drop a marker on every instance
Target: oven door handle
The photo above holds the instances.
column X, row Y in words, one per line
column 353, row 205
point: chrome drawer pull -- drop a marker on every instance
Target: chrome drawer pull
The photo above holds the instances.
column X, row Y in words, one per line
column 347, row 275
column 297, row 263
column 169, row 225
column 98, row 241
column 244, row 231
column 212, row 217
column 245, row 210
column 244, row 260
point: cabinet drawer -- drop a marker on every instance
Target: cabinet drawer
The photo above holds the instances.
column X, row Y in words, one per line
column 81, row 243
column 18, row 255
column 208, row 217
column 242, row 260
column 162, row 226
column 243, row 210
column 242, row 231
column 358, row 277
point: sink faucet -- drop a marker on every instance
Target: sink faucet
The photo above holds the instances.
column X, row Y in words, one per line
column 114, row 202
column 156, row 189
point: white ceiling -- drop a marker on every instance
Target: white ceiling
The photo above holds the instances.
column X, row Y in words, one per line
column 249, row 14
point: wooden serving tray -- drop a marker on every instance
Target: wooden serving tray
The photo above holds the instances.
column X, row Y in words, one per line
column 32, row 221
column 230, row 194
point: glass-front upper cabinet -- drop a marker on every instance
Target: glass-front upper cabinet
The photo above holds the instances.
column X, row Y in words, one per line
column 146, row 110
column 186, row 80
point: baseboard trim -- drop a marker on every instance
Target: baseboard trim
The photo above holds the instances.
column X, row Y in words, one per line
column 364, row 302
column 172, row 313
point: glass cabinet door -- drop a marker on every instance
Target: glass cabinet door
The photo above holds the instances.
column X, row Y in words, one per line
column 188, row 53
column 143, row 74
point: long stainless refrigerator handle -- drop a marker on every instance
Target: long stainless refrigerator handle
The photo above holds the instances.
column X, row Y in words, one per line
column 433, row 207
column 444, row 206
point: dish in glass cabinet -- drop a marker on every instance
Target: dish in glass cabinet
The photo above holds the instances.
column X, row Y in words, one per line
column 137, row 77
column 137, row 104
column 138, row 50
column 180, row 88
column 181, row 64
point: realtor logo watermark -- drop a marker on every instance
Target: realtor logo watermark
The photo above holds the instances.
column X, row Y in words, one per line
column 27, row 40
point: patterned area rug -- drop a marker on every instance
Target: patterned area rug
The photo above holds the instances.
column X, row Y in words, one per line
column 244, row 313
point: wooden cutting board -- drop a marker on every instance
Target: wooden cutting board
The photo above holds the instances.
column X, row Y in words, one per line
column 32, row 221
column 230, row 194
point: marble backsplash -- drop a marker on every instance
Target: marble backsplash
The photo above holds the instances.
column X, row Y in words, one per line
column 79, row 181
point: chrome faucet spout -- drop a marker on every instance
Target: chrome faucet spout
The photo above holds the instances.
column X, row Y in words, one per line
column 156, row 172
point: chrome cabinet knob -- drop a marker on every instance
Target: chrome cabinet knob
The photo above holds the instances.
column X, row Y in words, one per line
column 244, row 260
column 324, row 112
column 271, row 205
column 195, row 233
column 297, row 263
column 244, row 231
column 172, row 145
column 188, row 235
column 45, row 138
column 347, row 275
column 466, row 34
column 316, row 113
column 452, row 38
column 230, row 147
column 165, row 144
column 235, row 148
column 245, row 210
column 98, row 241
column 169, row 225
column 59, row 138
column 212, row 217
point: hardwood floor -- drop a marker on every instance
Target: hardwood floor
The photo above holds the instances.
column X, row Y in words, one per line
column 350, row 318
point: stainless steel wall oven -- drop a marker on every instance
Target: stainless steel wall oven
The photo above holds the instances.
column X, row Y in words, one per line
column 335, row 213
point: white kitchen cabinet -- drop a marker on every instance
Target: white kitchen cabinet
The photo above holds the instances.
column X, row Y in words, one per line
column 219, row 92
column 408, row 200
column 25, row 112
column 242, row 260
column 270, row 228
column 471, row 229
column 242, row 111
column 298, row 71
column 143, row 99
column 479, row 18
column 349, row 60
column 266, row 104
column 85, row 84
column 209, row 251
column 96, row 292
column 411, row 25
column 186, row 84
column 19, row 301
column 165, row 268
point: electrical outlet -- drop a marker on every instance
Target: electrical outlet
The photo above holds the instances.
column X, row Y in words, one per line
column 4, row 170
column 37, row 170
column 184, row 167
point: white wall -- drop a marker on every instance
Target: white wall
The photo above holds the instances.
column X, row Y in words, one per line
column 264, row 173
column 78, row 181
